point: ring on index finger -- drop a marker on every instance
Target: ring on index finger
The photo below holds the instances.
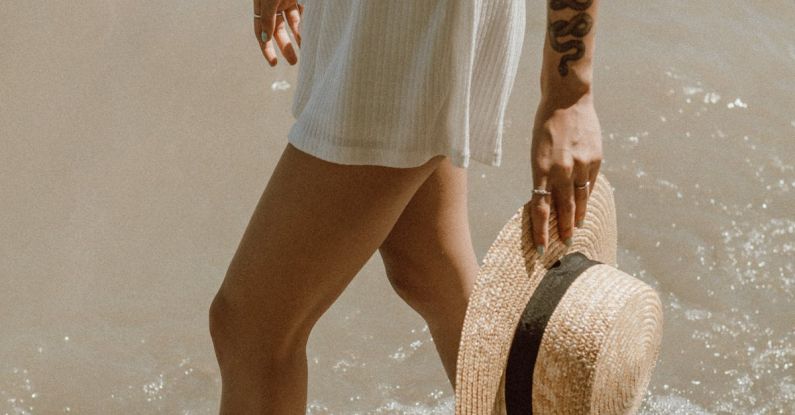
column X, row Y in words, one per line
column 583, row 186
column 541, row 191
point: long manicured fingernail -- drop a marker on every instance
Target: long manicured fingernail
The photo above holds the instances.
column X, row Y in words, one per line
column 567, row 241
column 540, row 249
column 264, row 36
column 579, row 223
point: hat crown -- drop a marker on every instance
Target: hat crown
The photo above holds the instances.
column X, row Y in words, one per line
column 600, row 345
column 527, row 339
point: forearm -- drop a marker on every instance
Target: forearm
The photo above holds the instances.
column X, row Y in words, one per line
column 567, row 71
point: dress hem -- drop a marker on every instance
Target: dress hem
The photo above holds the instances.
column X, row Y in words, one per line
column 388, row 157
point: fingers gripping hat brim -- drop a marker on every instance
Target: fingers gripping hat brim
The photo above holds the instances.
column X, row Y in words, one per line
column 509, row 274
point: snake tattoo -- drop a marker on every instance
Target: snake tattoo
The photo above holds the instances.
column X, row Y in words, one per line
column 579, row 26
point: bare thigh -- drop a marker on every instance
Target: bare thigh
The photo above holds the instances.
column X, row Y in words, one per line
column 428, row 255
column 316, row 224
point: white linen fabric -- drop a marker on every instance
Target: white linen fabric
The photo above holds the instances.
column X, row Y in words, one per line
column 397, row 82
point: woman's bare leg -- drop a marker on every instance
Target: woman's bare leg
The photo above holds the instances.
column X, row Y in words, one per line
column 316, row 224
column 430, row 260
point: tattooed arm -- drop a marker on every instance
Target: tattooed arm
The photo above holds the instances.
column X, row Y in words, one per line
column 567, row 140
column 568, row 48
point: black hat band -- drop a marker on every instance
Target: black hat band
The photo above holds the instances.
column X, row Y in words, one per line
column 530, row 329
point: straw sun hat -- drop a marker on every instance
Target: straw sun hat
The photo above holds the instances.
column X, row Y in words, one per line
column 561, row 333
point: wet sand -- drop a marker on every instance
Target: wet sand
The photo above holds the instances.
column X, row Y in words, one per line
column 138, row 136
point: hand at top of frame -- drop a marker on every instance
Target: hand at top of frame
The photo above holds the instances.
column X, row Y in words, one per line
column 271, row 26
column 566, row 153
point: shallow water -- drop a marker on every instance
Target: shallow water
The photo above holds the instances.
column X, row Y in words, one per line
column 138, row 136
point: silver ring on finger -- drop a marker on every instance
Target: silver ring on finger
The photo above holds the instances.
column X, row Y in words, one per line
column 541, row 191
column 584, row 186
column 257, row 16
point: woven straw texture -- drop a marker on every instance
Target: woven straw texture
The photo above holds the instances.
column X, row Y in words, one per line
column 600, row 346
column 510, row 272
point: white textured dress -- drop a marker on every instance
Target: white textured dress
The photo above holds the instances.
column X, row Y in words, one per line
column 397, row 82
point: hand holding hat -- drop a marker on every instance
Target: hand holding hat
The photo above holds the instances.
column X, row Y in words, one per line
column 565, row 332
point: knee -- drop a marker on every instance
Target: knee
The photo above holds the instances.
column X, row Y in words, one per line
column 247, row 337
column 432, row 291
column 221, row 316
column 399, row 272
column 421, row 301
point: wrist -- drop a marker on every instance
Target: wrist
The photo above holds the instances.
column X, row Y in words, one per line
column 575, row 84
column 572, row 87
column 566, row 97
